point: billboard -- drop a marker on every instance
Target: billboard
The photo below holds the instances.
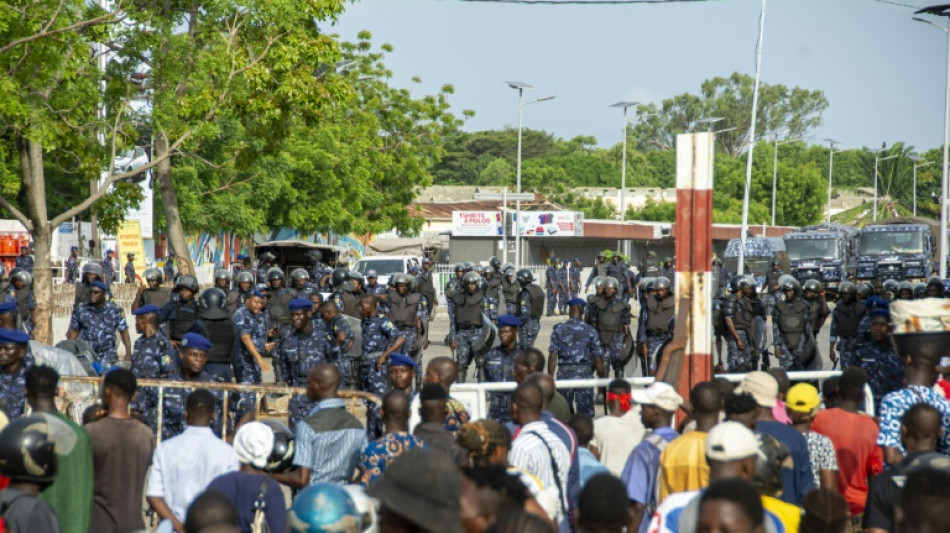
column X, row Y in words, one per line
column 476, row 223
column 551, row 224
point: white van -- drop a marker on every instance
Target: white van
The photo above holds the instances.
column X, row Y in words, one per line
column 387, row 265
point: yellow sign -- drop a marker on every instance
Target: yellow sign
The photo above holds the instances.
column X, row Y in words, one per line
column 129, row 241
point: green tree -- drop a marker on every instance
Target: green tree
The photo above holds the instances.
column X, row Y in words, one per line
column 498, row 172
column 656, row 211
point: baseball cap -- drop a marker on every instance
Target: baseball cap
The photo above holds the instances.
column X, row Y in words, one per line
column 423, row 487
column 659, row 394
column 762, row 386
column 803, row 398
column 731, row 441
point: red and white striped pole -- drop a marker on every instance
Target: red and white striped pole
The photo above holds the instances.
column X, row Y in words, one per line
column 693, row 239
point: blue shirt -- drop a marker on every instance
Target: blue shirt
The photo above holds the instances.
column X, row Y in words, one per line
column 895, row 404
column 640, row 472
column 589, row 465
column 799, row 479
column 379, row 453
column 97, row 326
column 329, row 442
column 242, row 489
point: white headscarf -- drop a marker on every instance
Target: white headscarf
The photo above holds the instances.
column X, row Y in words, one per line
column 253, row 444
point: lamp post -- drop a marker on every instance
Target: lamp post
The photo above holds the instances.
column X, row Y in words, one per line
column 709, row 122
column 521, row 87
column 831, row 162
column 776, row 142
column 917, row 163
column 877, row 159
column 623, row 162
column 943, row 11
column 740, row 270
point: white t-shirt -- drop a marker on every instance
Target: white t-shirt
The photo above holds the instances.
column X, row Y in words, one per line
column 615, row 437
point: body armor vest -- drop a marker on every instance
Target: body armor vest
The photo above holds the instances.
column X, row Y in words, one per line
column 279, row 308
column 221, row 335
column 510, row 290
column 651, row 269
column 350, row 304
column 468, row 309
column 23, row 302
column 601, row 269
column 659, row 313
column 185, row 317
column 537, row 300
column 848, row 318
column 403, row 310
column 427, row 288
column 791, row 322
column 609, row 319
column 744, row 315
column 159, row 296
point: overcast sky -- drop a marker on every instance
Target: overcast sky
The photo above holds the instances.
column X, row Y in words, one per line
column 884, row 74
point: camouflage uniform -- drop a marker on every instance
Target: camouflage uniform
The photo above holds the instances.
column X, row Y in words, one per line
column 307, row 290
column 318, row 272
column 465, row 334
column 611, row 339
column 577, row 346
column 740, row 312
column 792, row 355
column 884, row 368
column 173, row 405
column 660, row 332
column 26, row 303
column 108, row 271
column 499, row 368
column 349, row 377
column 168, row 270
column 378, row 334
column 130, row 272
column 377, row 290
column 550, row 287
column 246, row 369
column 72, row 269
column 97, row 326
column 298, row 353
column 563, row 289
column 25, row 262
column 152, row 358
column 575, row 281
column 528, row 331
column 12, row 386
column 845, row 321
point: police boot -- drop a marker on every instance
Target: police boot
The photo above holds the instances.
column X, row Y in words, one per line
column 765, row 361
column 461, row 375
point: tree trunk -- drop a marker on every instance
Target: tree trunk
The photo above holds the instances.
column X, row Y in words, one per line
column 32, row 154
column 176, row 232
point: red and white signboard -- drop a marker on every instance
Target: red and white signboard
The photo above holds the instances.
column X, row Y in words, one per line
column 476, row 223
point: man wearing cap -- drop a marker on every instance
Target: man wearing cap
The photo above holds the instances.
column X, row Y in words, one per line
column 802, row 406
column 250, row 345
column 72, row 265
column 395, row 441
column 194, row 356
column 380, row 339
column 14, row 364
column 876, row 356
column 499, row 366
column 575, row 351
column 130, row 268
column 108, row 267
column 420, row 491
column 96, row 323
column 798, row 479
column 168, row 269
column 401, row 371
column 153, row 357
column 658, row 403
column 302, row 349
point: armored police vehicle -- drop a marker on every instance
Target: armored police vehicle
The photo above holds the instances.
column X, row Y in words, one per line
column 824, row 252
column 759, row 254
column 901, row 248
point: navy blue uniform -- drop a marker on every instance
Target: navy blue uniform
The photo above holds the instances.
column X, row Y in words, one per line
column 173, row 406
column 25, row 262
column 885, row 369
column 298, row 353
column 378, row 333
column 246, row 369
column 577, row 346
column 97, row 326
column 499, row 368
column 12, row 387
column 152, row 358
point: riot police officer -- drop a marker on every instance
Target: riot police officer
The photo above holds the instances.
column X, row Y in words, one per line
column 466, row 306
column 243, row 284
column 427, row 285
column 510, row 289
column 404, row 314
column 814, row 296
column 575, row 352
column 380, row 338
column 656, row 318
column 617, row 270
column 15, row 361
column 491, row 301
column 600, row 269
column 935, row 287
column 530, row 308
column 343, row 294
column 222, row 279
column 302, row 349
column 219, row 330
column 319, row 270
column 194, row 350
column 72, row 265
column 575, row 278
column 493, row 284
column 889, row 290
column 168, row 269
column 563, row 286
column 24, row 260
column 845, row 320
column 181, row 316
column 551, row 285
column 130, row 268
column 22, row 284
column 90, row 272
column 380, row 291
column 247, row 355
column 720, row 277
column 920, row 290
column 96, row 323
column 739, row 319
column 152, row 292
column 301, row 284
column 771, row 278
column 153, row 357
column 499, row 366
column 610, row 316
column 344, row 350
column 669, row 271
column 791, row 328
column 280, row 297
column 264, row 264
column 454, row 284
column 905, row 290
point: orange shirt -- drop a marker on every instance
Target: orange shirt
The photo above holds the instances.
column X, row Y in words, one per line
column 859, row 457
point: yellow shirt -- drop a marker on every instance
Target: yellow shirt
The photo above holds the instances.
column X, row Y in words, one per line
column 789, row 514
column 683, row 466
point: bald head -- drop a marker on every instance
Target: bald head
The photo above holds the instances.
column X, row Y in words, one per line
column 528, row 399
column 396, row 410
column 921, row 428
column 323, row 381
column 544, row 382
column 446, row 370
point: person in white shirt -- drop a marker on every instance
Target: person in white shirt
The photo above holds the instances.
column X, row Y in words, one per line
column 183, row 466
column 617, row 434
column 537, row 450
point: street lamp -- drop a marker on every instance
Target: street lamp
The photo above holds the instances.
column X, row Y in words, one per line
column 877, row 159
column 521, row 87
column 776, row 142
column 708, row 122
column 831, row 161
column 943, row 11
column 623, row 159
column 748, row 163
column 917, row 163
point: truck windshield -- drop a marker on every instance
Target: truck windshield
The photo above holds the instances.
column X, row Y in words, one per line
column 891, row 242
column 799, row 249
column 756, row 266
column 383, row 267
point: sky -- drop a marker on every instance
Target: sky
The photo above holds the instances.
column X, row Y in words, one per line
column 883, row 73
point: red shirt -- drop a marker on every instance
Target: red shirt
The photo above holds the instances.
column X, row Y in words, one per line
column 859, row 457
column 944, row 387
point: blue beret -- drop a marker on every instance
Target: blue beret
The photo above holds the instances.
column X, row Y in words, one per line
column 13, row 336
column 73, row 248
column 876, row 301
column 100, row 285
column 576, row 301
column 300, row 304
column 241, row 257
column 399, row 359
column 509, row 320
column 146, row 310
column 194, row 340
column 7, row 307
column 880, row 311
column 255, row 292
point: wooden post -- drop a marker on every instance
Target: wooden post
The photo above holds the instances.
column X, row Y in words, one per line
column 691, row 363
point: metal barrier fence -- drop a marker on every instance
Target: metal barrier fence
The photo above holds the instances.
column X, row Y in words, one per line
column 354, row 400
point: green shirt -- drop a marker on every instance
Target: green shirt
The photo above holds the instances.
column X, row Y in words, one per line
column 70, row 495
column 559, row 408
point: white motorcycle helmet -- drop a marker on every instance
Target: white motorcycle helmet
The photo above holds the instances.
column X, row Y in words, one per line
column 366, row 506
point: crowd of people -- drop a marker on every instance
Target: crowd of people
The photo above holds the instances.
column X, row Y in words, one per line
column 760, row 456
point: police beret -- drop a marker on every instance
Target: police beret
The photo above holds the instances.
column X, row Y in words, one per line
column 576, row 301
column 300, row 304
column 880, row 311
column 73, row 248
column 13, row 336
column 146, row 310
column 399, row 359
column 241, row 257
column 7, row 307
column 196, row 341
column 509, row 320
column 100, row 285
column 255, row 292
